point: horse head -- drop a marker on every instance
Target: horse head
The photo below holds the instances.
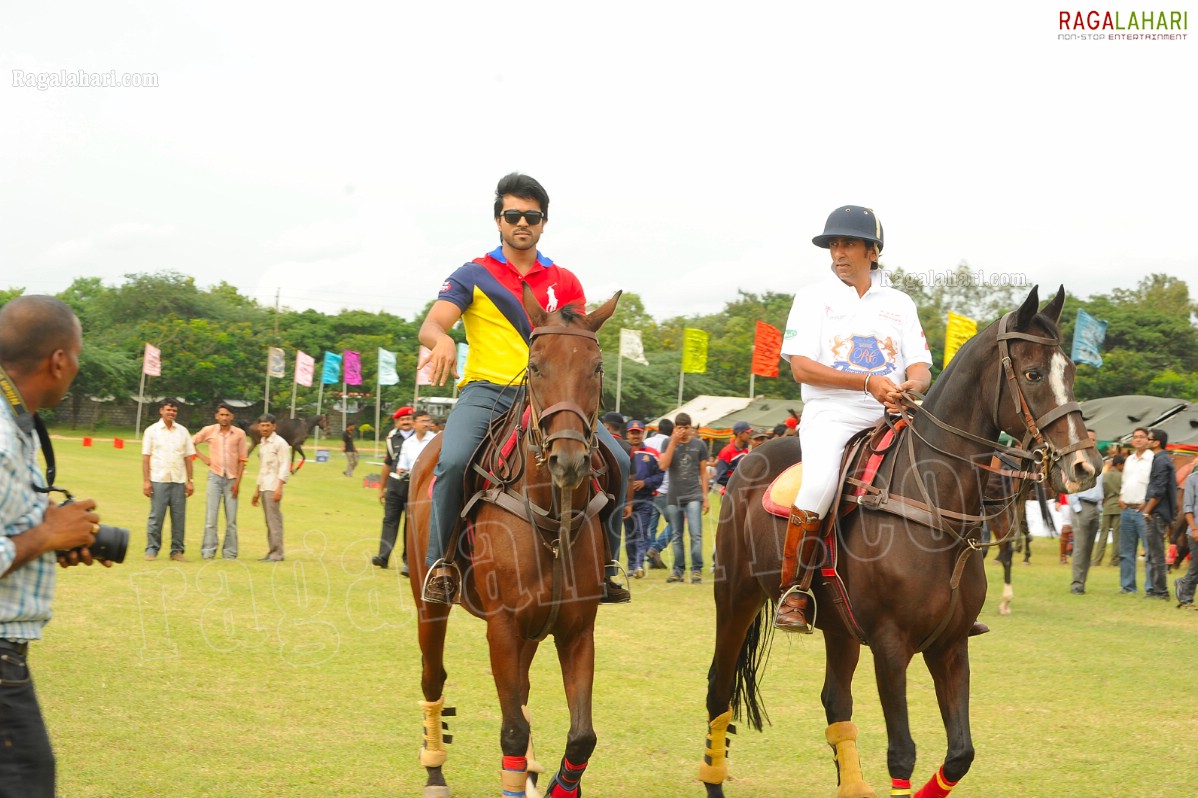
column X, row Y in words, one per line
column 322, row 421
column 565, row 386
column 1035, row 402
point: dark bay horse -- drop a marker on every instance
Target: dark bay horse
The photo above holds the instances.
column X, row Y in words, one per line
column 910, row 576
column 293, row 430
column 536, row 552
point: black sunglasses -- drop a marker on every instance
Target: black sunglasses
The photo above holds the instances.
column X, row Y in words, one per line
column 513, row 217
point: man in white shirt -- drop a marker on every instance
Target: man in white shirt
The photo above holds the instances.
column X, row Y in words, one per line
column 414, row 445
column 166, row 455
column 856, row 345
column 1136, row 470
column 274, row 469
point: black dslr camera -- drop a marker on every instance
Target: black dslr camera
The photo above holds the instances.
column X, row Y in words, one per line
column 110, row 543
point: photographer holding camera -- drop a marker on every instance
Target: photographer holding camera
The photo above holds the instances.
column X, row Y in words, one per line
column 40, row 340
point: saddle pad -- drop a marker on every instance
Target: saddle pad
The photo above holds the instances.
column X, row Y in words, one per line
column 875, row 461
column 779, row 498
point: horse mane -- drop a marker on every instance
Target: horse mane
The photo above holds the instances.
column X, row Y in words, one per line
column 571, row 313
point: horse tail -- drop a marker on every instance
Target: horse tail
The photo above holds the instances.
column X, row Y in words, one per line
column 754, row 654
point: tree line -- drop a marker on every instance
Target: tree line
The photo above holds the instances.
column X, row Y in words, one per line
column 214, row 341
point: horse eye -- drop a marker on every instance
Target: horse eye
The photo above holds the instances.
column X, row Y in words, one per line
column 532, row 369
column 598, row 369
column 1033, row 375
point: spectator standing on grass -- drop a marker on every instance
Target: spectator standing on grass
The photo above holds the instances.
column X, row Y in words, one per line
column 40, row 342
column 645, row 477
column 730, row 456
column 1137, row 468
column 1086, row 508
column 227, row 455
column 167, row 452
column 658, row 542
column 393, row 492
column 351, row 451
column 422, row 433
column 274, row 469
column 1184, row 587
column 1160, row 505
column 685, row 459
column 1112, row 484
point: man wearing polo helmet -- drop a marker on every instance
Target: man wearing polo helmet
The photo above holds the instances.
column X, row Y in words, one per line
column 855, row 345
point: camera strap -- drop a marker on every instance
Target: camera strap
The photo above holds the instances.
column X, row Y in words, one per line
column 29, row 423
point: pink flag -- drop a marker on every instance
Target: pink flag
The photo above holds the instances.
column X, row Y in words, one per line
column 352, row 366
column 151, row 363
column 425, row 375
column 304, row 365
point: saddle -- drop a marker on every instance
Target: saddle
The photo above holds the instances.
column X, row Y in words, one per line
column 860, row 465
column 496, row 470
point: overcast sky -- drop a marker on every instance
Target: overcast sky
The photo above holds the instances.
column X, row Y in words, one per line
column 345, row 154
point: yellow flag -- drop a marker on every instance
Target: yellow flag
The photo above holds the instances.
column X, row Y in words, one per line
column 960, row 329
column 694, row 351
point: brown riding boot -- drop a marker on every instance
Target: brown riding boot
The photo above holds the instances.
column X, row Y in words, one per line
column 798, row 567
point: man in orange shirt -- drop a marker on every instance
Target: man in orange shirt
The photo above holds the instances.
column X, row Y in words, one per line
column 227, row 453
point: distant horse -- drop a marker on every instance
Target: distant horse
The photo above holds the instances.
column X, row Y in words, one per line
column 534, row 550
column 293, row 430
column 902, row 577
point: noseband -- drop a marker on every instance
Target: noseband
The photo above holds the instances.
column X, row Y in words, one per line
column 538, row 440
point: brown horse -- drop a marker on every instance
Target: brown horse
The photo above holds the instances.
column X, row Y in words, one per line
column 293, row 430
column 535, row 551
column 909, row 576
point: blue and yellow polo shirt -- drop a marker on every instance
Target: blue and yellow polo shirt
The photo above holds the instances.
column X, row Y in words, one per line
column 488, row 290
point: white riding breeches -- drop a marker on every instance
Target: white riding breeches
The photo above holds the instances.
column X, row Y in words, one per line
column 825, row 429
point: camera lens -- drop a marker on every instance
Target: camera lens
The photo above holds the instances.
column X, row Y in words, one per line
column 111, row 543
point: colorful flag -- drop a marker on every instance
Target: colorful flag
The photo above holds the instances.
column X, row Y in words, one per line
column 274, row 362
column 960, row 329
column 463, row 352
column 305, row 365
column 387, row 373
column 424, row 376
column 353, row 367
column 767, row 349
column 331, row 372
column 1088, row 336
column 151, row 362
column 694, row 351
column 631, row 346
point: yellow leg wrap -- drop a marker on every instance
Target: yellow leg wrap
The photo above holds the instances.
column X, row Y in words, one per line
column 432, row 753
column 513, row 781
column 842, row 736
column 714, row 768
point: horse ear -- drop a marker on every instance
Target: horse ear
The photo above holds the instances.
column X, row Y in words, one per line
column 1054, row 308
column 536, row 314
column 1028, row 310
column 599, row 315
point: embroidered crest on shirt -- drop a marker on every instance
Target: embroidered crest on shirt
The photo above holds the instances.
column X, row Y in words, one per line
column 551, row 305
column 865, row 354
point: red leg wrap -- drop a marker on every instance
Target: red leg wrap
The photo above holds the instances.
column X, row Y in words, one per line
column 900, row 787
column 515, row 763
column 937, row 786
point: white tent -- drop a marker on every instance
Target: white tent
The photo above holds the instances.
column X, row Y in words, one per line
column 705, row 409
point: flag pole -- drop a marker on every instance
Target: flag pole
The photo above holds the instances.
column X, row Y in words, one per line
column 619, row 379
column 319, row 405
column 681, row 372
column 266, row 393
column 141, row 398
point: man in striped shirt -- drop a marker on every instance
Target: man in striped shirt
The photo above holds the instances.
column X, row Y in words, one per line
column 40, row 340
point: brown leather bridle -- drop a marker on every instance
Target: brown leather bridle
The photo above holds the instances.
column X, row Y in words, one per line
column 538, row 439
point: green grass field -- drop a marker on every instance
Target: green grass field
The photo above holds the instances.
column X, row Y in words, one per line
column 240, row 678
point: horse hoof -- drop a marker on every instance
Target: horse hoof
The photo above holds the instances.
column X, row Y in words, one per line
column 859, row 790
column 1004, row 609
column 441, row 791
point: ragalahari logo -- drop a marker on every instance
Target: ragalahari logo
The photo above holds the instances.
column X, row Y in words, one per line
column 1124, row 25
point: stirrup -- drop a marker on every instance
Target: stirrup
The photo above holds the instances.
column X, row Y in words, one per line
column 441, row 565
column 607, row 598
column 811, row 605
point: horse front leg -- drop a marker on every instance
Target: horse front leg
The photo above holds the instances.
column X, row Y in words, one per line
column 950, row 673
column 842, row 653
column 508, row 658
column 890, row 670
column 576, row 653
column 433, row 621
column 527, row 651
